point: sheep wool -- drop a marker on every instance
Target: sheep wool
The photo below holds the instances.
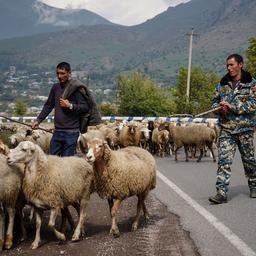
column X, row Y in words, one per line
column 120, row 174
column 52, row 182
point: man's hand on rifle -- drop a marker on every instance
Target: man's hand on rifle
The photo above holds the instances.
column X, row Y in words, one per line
column 224, row 107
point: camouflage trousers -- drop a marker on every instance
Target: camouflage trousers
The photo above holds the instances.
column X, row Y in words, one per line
column 228, row 143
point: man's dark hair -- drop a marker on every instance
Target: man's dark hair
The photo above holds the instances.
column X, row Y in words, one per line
column 238, row 58
column 64, row 65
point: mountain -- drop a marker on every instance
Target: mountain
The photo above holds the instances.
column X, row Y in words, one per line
column 158, row 47
column 28, row 17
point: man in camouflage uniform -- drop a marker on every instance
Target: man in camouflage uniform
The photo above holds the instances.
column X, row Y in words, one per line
column 236, row 97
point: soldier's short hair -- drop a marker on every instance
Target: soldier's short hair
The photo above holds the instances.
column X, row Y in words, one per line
column 238, row 58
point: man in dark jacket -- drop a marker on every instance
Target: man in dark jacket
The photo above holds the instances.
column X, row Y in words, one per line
column 71, row 103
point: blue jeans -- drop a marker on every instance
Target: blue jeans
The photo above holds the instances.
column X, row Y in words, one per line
column 63, row 143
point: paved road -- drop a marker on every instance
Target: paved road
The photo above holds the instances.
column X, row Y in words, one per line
column 227, row 229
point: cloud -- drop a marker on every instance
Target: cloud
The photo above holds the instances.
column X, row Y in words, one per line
column 175, row 2
column 48, row 15
column 127, row 12
column 119, row 11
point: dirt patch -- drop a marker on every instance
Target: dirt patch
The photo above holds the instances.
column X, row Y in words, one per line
column 161, row 235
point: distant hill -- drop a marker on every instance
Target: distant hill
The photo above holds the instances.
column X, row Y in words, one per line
column 28, row 17
column 158, row 47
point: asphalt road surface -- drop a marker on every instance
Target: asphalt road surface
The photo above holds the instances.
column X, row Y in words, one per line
column 222, row 230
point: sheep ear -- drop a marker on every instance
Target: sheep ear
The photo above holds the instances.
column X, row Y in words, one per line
column 107, row 151
column 32, row 147
column 28, row 132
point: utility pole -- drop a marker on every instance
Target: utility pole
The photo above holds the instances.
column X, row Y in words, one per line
column 191, row 34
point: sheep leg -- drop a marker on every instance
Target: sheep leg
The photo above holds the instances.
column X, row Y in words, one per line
column 2, row 227
column 9, row 233
column 31, row 213
column 213, row 155
column 114, row 228
column 82, row 214
column 201, row 155
column 145, row 211
column 139, row 207
column 176, row 154
column 176, row 148
column 193, row 151
column 77, row 207
column 39, row 215
column 66, row 215
column 51, row 224
column 63, row 225
column 186, row 152
column 22, row 225
column 205, row 151
column 110, row 203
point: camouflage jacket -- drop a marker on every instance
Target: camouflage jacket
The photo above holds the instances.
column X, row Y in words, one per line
column 241, row 117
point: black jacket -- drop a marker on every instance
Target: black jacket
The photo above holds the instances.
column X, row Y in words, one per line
column 91, row 118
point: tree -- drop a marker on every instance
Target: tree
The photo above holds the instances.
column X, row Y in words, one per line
column 202, row 86
column 107, row 109
column 251, row 56
column 20, row 108
column 140, row 96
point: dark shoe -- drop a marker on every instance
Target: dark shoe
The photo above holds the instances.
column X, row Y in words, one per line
column 253, row 193
column 218, row 199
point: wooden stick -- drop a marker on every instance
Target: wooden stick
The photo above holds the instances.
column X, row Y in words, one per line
column 208, row 112
column 15, row 121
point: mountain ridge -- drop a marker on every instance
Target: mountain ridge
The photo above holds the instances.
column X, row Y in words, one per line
column 28, row 17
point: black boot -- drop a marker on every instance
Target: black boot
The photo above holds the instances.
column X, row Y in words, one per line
column 218, row 199
column 253, row 193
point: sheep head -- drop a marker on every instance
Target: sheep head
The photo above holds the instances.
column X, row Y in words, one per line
column 14, row 140
column 145, row 132
column 132, row 128
column 23, row 153
column 3, row 148
column 96, row 150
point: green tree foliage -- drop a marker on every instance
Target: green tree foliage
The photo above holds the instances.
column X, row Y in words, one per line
column 20, row 108
column 251, row 56
column 107, row 109
column 202, row 85
column 140, row 96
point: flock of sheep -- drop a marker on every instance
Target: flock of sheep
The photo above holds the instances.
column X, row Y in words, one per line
column 30, row 176
column 115, row 161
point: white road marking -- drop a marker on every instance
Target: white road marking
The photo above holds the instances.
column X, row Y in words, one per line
column 240, row 245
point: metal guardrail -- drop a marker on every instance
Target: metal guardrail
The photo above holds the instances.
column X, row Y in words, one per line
column 165, row 119
column 25, row 119
column 178, row 119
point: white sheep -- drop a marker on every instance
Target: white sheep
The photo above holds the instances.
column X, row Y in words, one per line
column 120, row 174
column 142, row 137
column 52, row 182
column 84, row 137
column 10, row 191
column 110, row 135
column 41, row 138
column 127, row 135
column 19, row 136
column 160, row 139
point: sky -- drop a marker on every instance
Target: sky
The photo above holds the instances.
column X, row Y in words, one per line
column 124, row 12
